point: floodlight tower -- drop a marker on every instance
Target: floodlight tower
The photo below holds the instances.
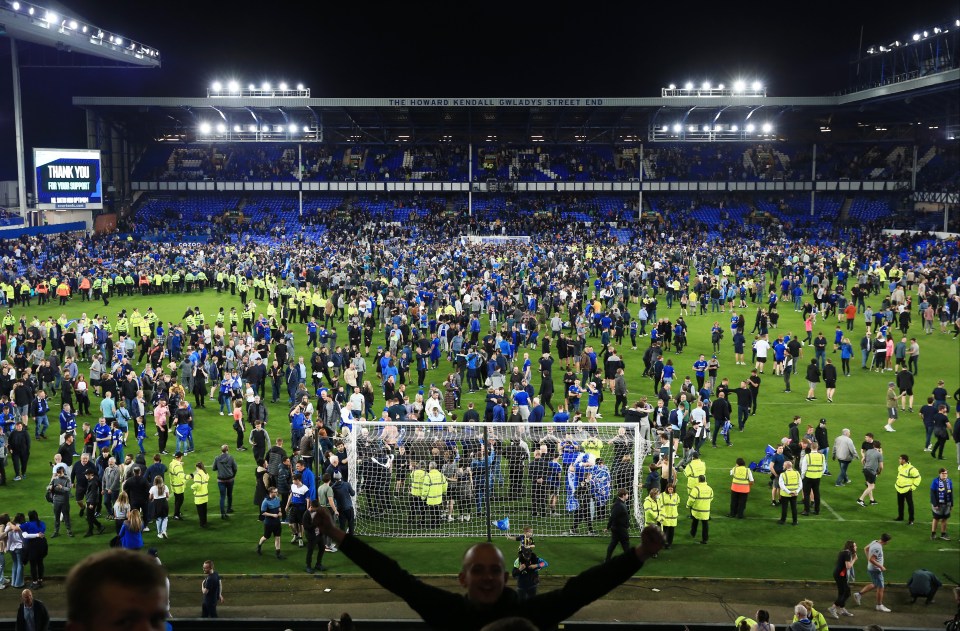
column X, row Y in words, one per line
column 24, row 21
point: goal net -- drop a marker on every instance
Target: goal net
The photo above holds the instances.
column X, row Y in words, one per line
column 470, row 479
column 493, row 239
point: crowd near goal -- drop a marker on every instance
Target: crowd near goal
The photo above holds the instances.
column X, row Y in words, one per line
column 472, row 479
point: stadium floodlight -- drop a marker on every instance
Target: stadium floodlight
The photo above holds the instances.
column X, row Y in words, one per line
column 293, row 128
column 306, row 129
column 677, row 128
column 237, row 128
column 16, row 6
column 673, row 86
column 251, row 87
column 119, row 41
column 30, row 10
column 205, row 128
column 926, row 34
column 734, row 128
column 299, row 86
column 221, row 128
column 84, row 29
column 265, row 86
column 693, row 128
column 739, row 86
column 277, row 128
column 233, row 86
column 720, row 87
column 688, row 86
column 73, row 25
column 705, row 86
column 283, row 86
column 750, row 128
column 252, row 128
column 767, row 128
column 50, row 17
column 916, row 37
column 706, row 128
column 757, row 86
column 717, row 127
column 217, row 86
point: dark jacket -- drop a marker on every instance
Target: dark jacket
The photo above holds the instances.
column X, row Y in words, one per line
column 225, row 467
column 720, row 409
column 829, row 372
column 138, row 490
column 91, row 495
column 41, row 617
column 19, row 442
column 619, row 521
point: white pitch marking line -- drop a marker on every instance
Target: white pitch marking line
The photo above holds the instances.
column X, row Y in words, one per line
column 832, row 512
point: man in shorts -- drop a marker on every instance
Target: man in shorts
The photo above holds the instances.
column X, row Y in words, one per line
column 271, row 512
column 872, row 460
column 762, row 348
column 875, row 568
column 892, row 398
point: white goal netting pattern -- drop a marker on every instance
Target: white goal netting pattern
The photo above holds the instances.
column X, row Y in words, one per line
column 499, row 239
column 463, row 479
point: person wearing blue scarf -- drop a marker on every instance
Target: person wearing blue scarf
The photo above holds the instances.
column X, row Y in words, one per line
column 941, row 503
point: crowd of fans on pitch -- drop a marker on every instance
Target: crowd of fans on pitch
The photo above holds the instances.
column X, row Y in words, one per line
column 413, row 291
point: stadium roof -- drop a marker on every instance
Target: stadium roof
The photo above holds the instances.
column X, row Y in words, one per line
column 930, row 101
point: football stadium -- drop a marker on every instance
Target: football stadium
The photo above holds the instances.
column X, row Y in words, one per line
column 274, row 360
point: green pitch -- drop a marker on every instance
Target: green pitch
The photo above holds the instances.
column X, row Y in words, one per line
column 755, row 547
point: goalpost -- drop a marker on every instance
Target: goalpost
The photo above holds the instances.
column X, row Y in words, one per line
column 492, row 239
column 477, row 479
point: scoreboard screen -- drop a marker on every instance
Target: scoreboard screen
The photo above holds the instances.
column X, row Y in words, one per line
column 68, row 179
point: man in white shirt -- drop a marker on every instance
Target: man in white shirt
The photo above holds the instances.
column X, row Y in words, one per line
column 87, row 339
column 357, row 403
column 762, row 346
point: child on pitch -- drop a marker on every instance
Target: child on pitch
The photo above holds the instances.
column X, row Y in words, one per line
column 526, row 570
column 525, row 539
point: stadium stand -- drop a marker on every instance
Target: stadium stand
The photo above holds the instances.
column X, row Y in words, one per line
column 667, row 162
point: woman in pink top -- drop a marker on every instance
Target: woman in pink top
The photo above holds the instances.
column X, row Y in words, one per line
column 160, row 415
column 890, row 353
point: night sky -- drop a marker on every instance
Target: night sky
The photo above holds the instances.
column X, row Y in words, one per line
column 354, row 49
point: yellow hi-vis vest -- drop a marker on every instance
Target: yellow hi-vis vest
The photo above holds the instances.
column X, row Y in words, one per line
column 199, row 486
column 669, row 508
column 814, row 465
column 791, row 479
column 436, row 487
column 908, row 478
column 741, row 480
column 699, row 501
column 651, row 509
column 178, row 481
column 417, row 479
